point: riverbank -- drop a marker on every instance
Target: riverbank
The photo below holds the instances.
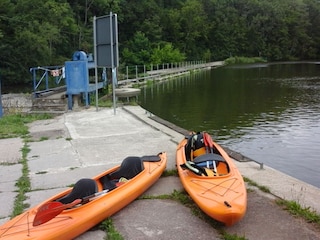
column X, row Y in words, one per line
column 269, row 112
column 82, row 144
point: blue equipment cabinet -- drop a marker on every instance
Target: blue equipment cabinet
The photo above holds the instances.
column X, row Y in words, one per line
column 77, row 77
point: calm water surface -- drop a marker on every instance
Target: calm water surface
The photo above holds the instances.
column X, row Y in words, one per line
column 268, row 112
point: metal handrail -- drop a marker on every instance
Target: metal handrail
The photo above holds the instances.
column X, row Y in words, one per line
column 45, row 75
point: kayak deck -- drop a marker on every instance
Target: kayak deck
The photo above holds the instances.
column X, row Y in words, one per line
column 74, row 221
column 219, row 190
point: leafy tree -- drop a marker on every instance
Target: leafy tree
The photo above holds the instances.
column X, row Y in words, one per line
column 84, row 11
column 166, row 54
column 138, row 50
column 194, row 28
column 39, row 33
column 140, row 16
column 229, row 34
column 313, row 29
column 6, row 48
column 37, row 40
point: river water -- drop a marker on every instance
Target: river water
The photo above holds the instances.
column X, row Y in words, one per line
column 268, row 112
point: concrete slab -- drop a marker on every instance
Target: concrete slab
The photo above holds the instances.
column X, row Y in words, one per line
column 52, row 147
column 117, row 135
column 12, row 149
column 62, row 177
column 9, row 174
column 282, row 185
column 92, row 235
column 266, row 220
column 48, row 129
column 155, row 221
column 50, row 162
column 165, row 185
column 6, row 200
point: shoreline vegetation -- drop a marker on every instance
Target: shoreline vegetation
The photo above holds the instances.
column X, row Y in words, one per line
column 154, row 32
column 244, row 60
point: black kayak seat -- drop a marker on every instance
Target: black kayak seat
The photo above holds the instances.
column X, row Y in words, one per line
column 82, row 188
column 208, row 157
column 129, row 168
column 213, row 161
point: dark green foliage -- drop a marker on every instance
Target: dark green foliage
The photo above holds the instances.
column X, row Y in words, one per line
column 34, row 33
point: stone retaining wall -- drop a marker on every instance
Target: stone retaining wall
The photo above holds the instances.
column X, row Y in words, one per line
column 16, row 103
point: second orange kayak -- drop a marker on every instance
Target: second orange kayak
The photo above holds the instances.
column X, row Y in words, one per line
column 211, row 179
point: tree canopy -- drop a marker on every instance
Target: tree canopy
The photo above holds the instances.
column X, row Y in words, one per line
column 44, row 33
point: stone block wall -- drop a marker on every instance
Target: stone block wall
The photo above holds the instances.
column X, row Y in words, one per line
column 16, row 103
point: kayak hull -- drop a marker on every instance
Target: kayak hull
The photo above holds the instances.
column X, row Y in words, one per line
column 222, row 197
column 73, row 222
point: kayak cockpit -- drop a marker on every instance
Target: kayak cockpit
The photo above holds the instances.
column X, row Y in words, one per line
column 210, row 168
column 129, row 168
column 213, row 162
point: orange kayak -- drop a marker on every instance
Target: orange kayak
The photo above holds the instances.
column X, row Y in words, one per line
column 53, row 220
column 212, row 180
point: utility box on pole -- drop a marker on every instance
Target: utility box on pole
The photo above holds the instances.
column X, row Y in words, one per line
column 106, row 48
column 106, row 38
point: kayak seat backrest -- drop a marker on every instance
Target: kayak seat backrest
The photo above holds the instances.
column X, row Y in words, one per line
column 130, row 167
column 82, row 188
column 208, row 157
column 211, row 160
column 195, row 146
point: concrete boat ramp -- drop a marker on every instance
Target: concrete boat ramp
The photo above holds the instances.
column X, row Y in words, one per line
column 82, row 144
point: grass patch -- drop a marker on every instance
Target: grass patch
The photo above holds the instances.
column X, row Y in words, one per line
column 244, row 60
column 14, row 125
column 168, row 173
column 296, row 209
column 43, row 139
column 252, row 183
column 227, row 236
column 108, row 227
column 23, row 184
column 105, row 103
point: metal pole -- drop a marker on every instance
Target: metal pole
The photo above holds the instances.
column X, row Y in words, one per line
column 95, row 60
column 112, row 66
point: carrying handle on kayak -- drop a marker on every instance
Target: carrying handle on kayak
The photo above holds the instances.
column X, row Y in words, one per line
column 49, row 210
